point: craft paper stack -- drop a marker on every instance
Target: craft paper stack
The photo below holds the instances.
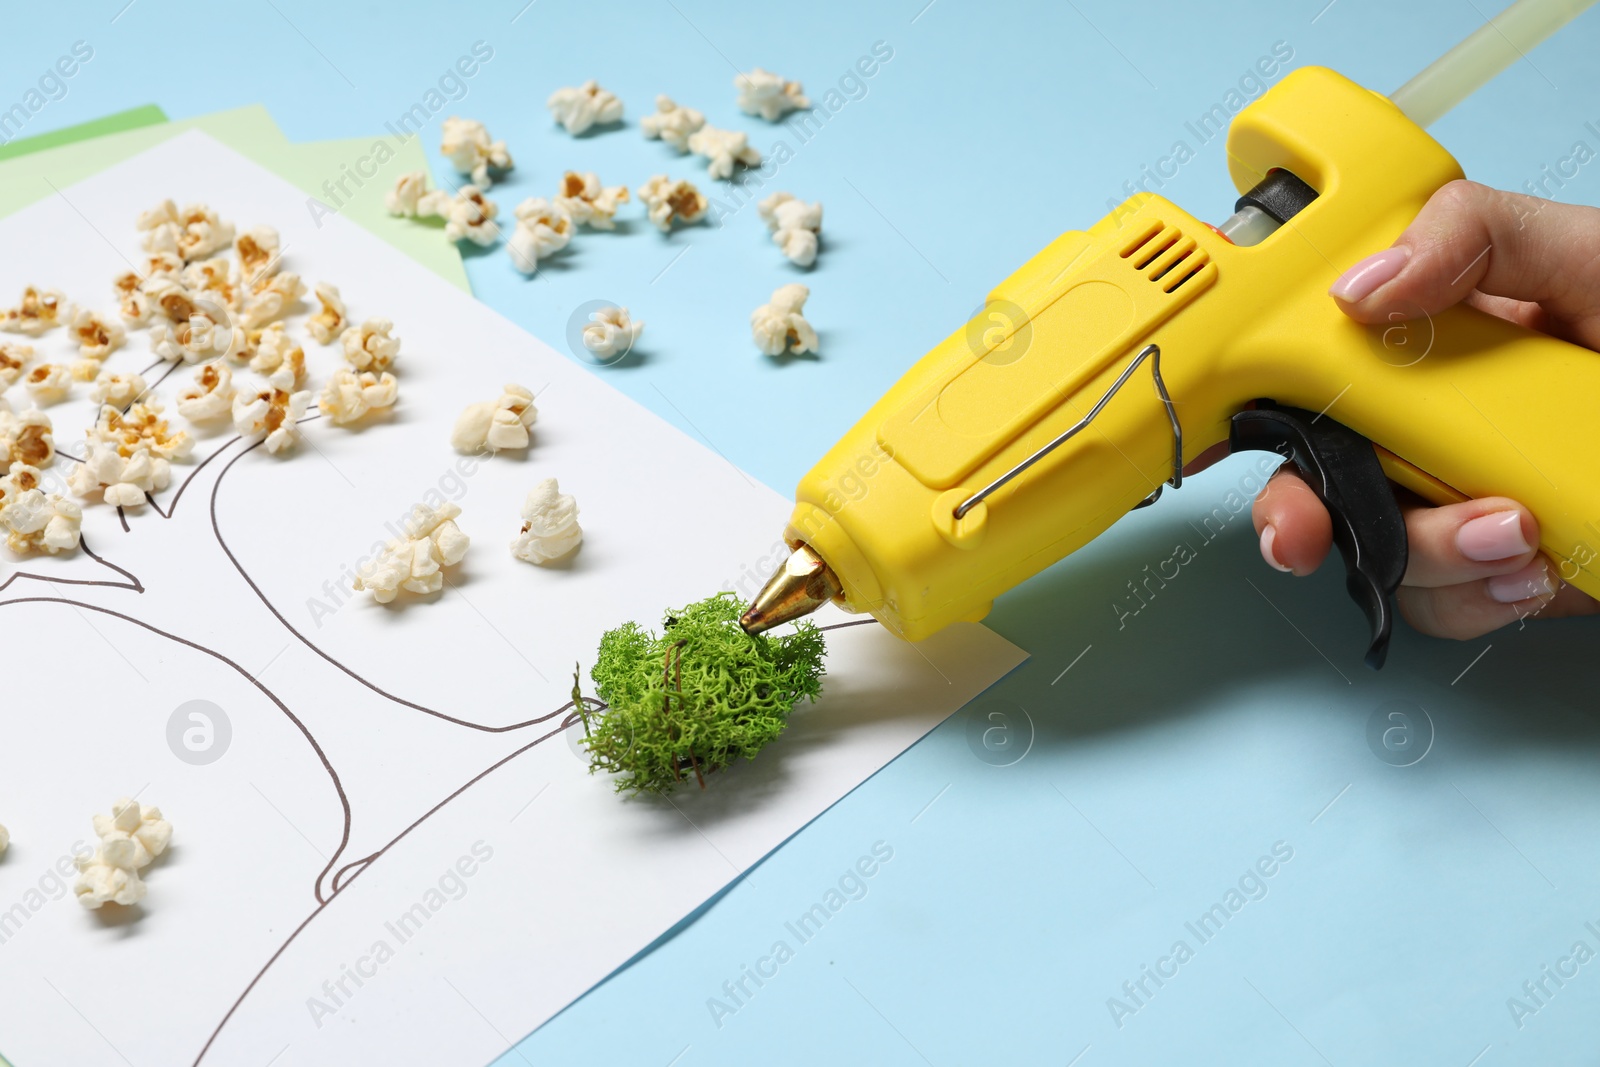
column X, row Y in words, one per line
column 33, row 168
column 384, row 761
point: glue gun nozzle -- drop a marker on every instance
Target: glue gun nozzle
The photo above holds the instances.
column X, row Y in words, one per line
column 801, row 585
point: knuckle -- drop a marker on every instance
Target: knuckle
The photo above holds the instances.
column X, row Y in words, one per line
column 1459, row 197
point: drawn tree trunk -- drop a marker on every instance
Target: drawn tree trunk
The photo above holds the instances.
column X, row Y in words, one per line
column 203, row 606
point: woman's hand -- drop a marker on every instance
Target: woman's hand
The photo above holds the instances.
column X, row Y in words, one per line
column 1474, row 567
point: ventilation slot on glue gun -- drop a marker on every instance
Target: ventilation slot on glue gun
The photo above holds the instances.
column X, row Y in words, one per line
column 1166, row 256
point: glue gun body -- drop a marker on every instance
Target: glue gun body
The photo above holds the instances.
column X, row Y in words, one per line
column 1118, row 353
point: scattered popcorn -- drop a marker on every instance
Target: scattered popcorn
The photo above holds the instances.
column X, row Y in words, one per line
column 196, row 339
column 722, row 149
column 19, row 478
column 370, row 346
column 213, row 277
column 124, row 481
column 764, row 93
column 193, row 233
column 211, row 395
column 550, row 527
column 140, row 429
column 118, row 390
column 25, row 437
column 467, row 146
column 48, row 382
column 289, row 376
column 587, row 201
column 37, row 312
column 328, row 323
column 795, row 226
column 84, row 370
column 137, row 294
column 133, row 303
column 34, row 521
column 779, row 325
column 496, row 424
column 167, row 293
column 270, row 415
column 129, row 839
column 611, row 332
column 416, row 561
column 406, row 196
column 671, row 123
column 224, row 334
column 162, row 213
column 13, row 358
column 350, row 395
column 160, row 228
column 271, row 299
column 179, row 303
column 580, row 108
column 257, row 249
column 273, row 350
column 96, row 338
column 542, row 228
column 164, row 341
column 435, row 204
column 132, row 282
column 669, row 201
column 246, row 342
column 162, row 263
column 211, row 273
column 411, row 197
column 204, row 234
column 286, row 283
column 5, row 840
column 470, row 217
column 133, row 832
column 100, row 883
column 130, row 285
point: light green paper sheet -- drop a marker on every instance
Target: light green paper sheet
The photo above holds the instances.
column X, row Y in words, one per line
column 312, row 163
column 131, row 119
column 251, row 132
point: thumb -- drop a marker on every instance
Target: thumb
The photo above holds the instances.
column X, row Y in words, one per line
column 1536, row 261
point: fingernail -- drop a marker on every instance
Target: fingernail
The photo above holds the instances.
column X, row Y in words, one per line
column 1494, row 536
column 1268, row 536
column 1532, row 580
column 1359, row 281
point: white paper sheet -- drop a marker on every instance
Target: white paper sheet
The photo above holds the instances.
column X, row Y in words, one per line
column 506, row 880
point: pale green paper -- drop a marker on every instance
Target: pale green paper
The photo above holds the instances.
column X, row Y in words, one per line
column 251, row 132
column 131, row 119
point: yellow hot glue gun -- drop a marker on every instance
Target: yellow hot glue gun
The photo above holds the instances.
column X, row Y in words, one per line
column 1116, row 354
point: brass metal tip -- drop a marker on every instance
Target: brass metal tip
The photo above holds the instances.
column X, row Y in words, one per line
column 801, row 585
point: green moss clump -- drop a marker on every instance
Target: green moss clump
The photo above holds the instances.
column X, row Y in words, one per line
column 696, row 697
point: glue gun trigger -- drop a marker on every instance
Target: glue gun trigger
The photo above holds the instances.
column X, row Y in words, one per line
column 1342, row 468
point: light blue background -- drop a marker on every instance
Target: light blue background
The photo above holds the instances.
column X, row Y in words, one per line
column 1178, row 749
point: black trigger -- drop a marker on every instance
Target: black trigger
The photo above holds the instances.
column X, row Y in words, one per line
column 1343, row 469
